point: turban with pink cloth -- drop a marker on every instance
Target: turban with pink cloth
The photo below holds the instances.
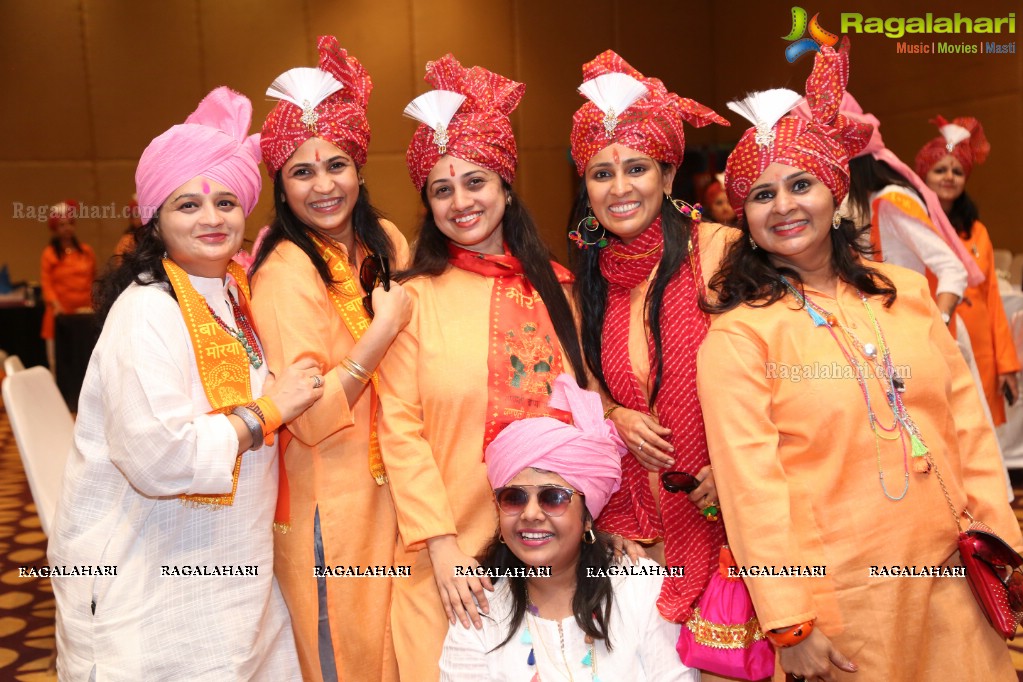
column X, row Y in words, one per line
column 852, row 110
column 213, row 142
column 588, row 454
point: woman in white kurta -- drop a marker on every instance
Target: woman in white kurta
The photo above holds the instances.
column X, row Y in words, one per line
column 583, row 615
column 169, row 482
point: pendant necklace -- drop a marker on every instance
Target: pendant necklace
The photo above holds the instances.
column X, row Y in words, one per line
column 887, row 375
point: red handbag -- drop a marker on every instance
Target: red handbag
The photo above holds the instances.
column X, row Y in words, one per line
column 992, row 570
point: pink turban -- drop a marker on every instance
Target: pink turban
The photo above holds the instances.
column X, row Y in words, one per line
column 588, row 454
column 213, row 142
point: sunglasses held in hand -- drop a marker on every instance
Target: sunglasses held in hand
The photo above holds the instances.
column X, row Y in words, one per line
column 375, row 269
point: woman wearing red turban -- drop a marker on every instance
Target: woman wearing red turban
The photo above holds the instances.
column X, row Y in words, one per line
column 315, row 295
column 491, row 328
column 945, row 164
column 844, row 427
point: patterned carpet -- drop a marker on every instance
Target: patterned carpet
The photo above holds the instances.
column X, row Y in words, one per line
column 27, row 605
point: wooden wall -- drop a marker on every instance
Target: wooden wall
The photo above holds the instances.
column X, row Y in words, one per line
column 84, row 98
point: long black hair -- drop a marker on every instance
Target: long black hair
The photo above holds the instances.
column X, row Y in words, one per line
column 591, row 602
column 58, row 249
column 430, row 258
column 963, row 214
column 141, row 265
column 285, row 225
column 868, row 175
column 591, row 287
column 748, row 276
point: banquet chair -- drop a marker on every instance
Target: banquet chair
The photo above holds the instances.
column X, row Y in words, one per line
column 43, row 428
column 12, row 364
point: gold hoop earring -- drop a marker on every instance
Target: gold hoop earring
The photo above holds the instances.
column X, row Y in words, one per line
column 589, row 224
column 589, row 537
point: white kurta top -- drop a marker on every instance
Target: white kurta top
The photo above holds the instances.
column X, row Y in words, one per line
column 142, row 437
column 910, row 243
column 643, row 642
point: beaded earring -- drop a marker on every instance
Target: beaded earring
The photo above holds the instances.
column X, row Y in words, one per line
column 694, row 213
column 752, row 243
column 836, row 220
column 589, row 224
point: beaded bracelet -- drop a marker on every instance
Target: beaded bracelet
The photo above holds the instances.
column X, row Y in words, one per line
column 252, row 424
column 782, row 638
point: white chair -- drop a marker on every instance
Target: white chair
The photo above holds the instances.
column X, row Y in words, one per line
column 43, row 429
column 1003, row 259
column 1016, row 270
column 13, row 364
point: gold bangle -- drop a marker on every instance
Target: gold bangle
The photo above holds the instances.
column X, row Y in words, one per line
column 608, row 411
column 356, row 370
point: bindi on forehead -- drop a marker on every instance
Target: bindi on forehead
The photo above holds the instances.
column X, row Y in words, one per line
column 451, row 169
column 205, row 187
column 317, row 154
column 614, row 155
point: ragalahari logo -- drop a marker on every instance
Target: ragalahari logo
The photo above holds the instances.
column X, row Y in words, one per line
column 818, row 37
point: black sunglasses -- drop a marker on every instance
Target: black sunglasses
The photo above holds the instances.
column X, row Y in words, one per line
column 679, row 482
column 375, row 269
column 554, row 500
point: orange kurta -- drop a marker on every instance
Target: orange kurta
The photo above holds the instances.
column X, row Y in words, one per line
column 68, row 281
column 984, row 316
column 434, row 400
column 328, row 467
column 797, row 474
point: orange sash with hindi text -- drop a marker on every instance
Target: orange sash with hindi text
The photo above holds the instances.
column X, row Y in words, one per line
column 222, row 361
column 524, row 352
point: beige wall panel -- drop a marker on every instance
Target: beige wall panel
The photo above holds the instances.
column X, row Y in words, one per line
column 265, row 39
column 23, row 238
column 145, row 66
column 547, row 184
column 115, row 184
column 551, row 49
column 379, row 33
column 393, row 193
column 476, row 33
column 45, row 82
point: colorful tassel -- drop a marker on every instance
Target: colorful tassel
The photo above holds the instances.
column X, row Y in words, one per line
column 919, row 449
column 531, row 660
column 818, row 319
column 588, row 658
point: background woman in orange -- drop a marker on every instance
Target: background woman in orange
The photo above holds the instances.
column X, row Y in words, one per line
column 68, row 268
column 308, row 303
column 491, row 328
column 945, row 164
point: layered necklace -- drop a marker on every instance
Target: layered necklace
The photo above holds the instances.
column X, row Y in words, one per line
column 590, row 659
column 246, row 337
column 877, row 355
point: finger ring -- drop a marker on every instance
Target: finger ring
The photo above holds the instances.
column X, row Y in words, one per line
column 711, row 512
column 317, row 381
column 642, row 442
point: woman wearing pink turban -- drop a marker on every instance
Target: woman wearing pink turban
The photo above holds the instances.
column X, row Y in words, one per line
column 171, row 481
column 590, row 617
